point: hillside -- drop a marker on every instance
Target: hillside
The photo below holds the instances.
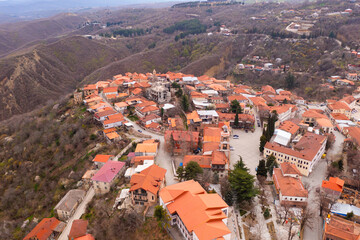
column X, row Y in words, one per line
column 48, row 72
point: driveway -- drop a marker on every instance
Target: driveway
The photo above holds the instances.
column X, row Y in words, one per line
column 78, row 213
column 247, row 146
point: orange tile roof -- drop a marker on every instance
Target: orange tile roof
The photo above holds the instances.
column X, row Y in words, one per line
column 78, row 229
column 281, row 109
column 339, row 106
column 140, row 159
column 236, row 97
column 239, row 90
column 43, row 229
column 258, row 101
column 354, row 133
column 210, row 146
column 324, row 122
column 339, row 228
column 203, row 161
column 182, row 135
column 136, row 91
column 268, row 88
column 86, row 237
column 121, row 104
column 289, row 168
column 195, row 95
column 335, row 184
column 110, row 89
column 306, row 148
column 221, row 105
column 90, row 87
column 102, row 158
column 313, row 113
column 109, row 130
column 149, row 179
column 339, row 116
column 147, row 147
column 114, row 118
column 217, row 87
column 212, row 134
column 219, row 158
column 149, row 109
column 153, row 125
column 288, row 186
column 194, row 116
column 199, row 211
column 112, row 135
column 289, row 126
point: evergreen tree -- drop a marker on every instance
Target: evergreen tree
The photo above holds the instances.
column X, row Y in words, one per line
column 261, row 169
column 242, row 183
column 185, row 103
column 270, row 164
column 236, row 122
column 263, row 141
column 234, row 106
column 290, row 81
column 192, row 170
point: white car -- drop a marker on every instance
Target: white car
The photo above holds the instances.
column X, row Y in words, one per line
column 232, row 148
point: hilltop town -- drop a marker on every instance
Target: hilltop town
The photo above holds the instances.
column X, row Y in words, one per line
column 191, row 142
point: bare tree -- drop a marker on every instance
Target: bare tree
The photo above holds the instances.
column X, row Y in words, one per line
column 325, row 202
column 286, row 208
column 306, row 218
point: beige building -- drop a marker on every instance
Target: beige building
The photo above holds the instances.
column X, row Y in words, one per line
column 305, row 154
column 68, row 204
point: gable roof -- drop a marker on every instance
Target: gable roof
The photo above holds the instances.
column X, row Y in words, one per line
column 203, row 161
column 212, row 134
column 200, row 212
column 102, row 158
column 108, row 171
column 182, row 135
column 146, row 147
column 44, row 229
column 148, row 179
column 289, row 126
column 335, row 184
column 78, row 228
column 288, row 186
column 289, row 168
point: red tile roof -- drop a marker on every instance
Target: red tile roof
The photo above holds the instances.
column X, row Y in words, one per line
column 289, row 126
column 288, row 186
column 44, row 229
column 102, row 158
column 78, row 229
column 203, row 161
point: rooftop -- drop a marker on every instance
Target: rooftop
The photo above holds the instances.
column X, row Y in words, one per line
column 149, row 179
column 108, row 172
column 70, row 200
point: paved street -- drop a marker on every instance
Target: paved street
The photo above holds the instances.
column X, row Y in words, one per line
column 247, row 146
column 163, row 158
column 314, row 180
column 78, row 213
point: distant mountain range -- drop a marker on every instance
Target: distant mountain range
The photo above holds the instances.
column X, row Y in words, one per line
column 17, row 10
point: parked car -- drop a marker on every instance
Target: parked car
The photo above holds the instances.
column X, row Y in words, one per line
column 139, row 131
column 232, row 148
column 236, row 137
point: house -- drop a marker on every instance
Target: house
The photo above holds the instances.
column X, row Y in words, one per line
column 353, row 136
column 288, row 185
column 90, row 90
column 145, row 108
column 145, row 185
column 352, row 76
column 340, row 229
column 152, row 118
column 110, row 91
column 246, row 121
column 160, row 92
column 101, row 116
column 285, row 111
column 100, row 160
column 114, row 120
column 112, row 137
column 86, row 178
column 309, row 117
column 240, row 98
column 198, row 214
column 325, row 124
column 68, row 204
column 304, row 154
column 106, row 176
column 268, row 89
column 121, row 107
column 333, row 187
column 339, row 107
column 146, row 149
column 181, row 141
column 46, row 229
column 79, row 230
column 208, row 116
column 289, row 127
column 193, row 119
column 139, row 160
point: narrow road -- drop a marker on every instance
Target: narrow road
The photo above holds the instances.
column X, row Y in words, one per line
column 78, row 213
column 163, row 158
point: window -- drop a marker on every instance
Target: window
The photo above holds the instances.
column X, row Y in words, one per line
column 295, row 199
column 152, row 197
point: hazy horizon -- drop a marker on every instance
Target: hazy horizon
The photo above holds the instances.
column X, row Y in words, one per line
column 18, row 10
